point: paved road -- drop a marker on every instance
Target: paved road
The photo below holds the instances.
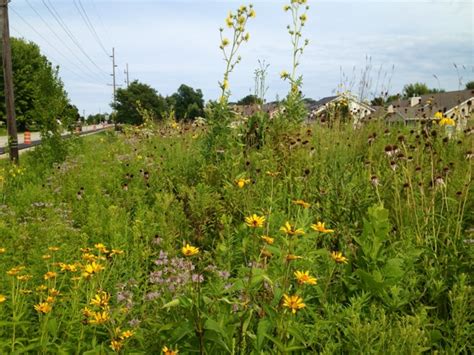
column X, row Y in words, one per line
column 36, row 138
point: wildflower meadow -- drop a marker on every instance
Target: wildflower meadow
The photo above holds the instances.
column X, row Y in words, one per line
column 237, row 235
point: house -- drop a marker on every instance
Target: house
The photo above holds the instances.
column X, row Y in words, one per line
column 344, row 106
column 454, row 104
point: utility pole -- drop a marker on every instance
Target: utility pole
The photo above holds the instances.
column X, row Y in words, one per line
column 113, row 73
column 127, row 80
column 8, row 82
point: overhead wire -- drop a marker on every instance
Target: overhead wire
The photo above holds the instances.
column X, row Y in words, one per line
column 66, row 29
column 82, row 11
column 63, row 43
column 83, row 76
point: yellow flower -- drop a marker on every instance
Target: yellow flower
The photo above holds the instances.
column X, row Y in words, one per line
column 41, row 288
column 2, row 298
column 225, row 42
column 15, row 270
column 241, row 20
column 268, row 239
column 99, row 317
column 87, row 312
column 304, row 278
column 46, row 256
column 50, row 275
column 447, row 122
column 252, row 13
column 255, row 221
column 291, row 230
column 284, row 75
column 91, row 269
column 247, row 37
column 301, row 203
column 43, row 307
column 127, row 334
column 116, row 252
column 241, row 182
column 286, row 7
column 53, row 292
column 229, row 21
column 50, row 299
column 68, row 267
column 438, row 115
column 338, row 257
column 101, row 300
column 294, row 303
column 53, row 249
column 101, row 248
column 167, row 351
column 225, row 84
column 303, row 18
column 319, row 227
column 24, row 277
column 189, row 250
column 116, row 345
column 89, row 257
column 2, row 250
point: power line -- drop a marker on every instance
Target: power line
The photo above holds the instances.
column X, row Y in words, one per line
column 85, row 17
column 66, row 29
column 100, row 20
column 50, row 44
column 63, row 43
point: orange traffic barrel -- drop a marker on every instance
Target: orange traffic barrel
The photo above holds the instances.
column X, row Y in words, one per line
column 27, row 137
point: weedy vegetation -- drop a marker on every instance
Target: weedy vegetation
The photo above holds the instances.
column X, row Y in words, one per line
column 189, row 238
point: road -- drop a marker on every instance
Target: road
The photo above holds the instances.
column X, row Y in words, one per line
column 36, row 137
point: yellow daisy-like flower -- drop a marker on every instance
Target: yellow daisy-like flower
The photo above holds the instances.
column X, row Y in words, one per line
column 284, row 75
column 43, row 307
column 116, row 345
column 189, row 250
column 438, row 115
column 303, row 18
column 24, row 277
column 301, row 203
column 101, row 247
column 127, row 334
column 2, row 250
column 68, row 267
column 319, row 227
column 303, row 277
column 116, row 252
column 291, row 230
column 338, row 257
column 91, row 269
column 268, row 239
column 41, row 288
column 294, row 303
column 229, row 21
column 168, row 351
column 101, row 300
column 53, row 292
column 252, row 13
column 87, row 312
column 255, row 221
column 241, row 182
column 225, row 84
column 225, row 42
column 2, row 298
column 53, row 249
column 447, row 122
column 99, row 317
column 50, row 275
column 15, row 270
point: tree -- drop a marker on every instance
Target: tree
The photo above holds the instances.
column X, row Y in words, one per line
column 40, row 98
column 418, row 89
column 187, row 102
column 249, row 100
column 470, row 85
column 129, row 99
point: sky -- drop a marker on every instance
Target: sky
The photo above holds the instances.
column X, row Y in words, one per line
column 167, row 43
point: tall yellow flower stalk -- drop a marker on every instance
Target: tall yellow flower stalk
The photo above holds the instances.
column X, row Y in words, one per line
column 298, row 10
column 236, row 23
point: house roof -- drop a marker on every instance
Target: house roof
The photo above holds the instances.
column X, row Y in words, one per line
column 432, row 103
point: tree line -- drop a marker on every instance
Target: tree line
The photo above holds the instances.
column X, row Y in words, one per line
column 41, row 101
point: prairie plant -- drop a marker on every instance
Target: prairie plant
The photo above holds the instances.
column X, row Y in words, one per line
column 237, row 23
column 294, row 106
